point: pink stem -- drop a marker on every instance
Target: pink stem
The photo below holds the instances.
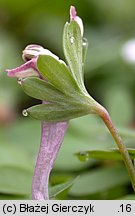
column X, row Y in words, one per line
column 52, row 137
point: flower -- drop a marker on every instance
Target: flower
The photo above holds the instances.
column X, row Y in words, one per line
column 30, row 55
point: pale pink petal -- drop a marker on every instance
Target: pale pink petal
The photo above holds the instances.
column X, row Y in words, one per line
column 25, row 70
column 80, row 23
column 34, row 50
column 72, row 13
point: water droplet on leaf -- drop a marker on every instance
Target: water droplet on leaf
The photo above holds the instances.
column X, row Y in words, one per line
column 72, row 40
column 83, row 156
column 25, row 113
column 85, row 42
column 19, row 81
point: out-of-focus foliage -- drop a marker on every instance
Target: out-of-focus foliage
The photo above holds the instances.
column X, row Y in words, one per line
column 109, row 78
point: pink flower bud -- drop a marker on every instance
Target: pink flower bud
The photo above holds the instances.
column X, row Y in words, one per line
column 76, row 18
column 25, row 70
column 30, row 55
column 33, row 50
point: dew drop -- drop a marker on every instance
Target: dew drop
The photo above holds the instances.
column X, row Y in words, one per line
column 85, row 42
column 72, row 40
column 19, row 81
column 83, row 156
column 25, row 113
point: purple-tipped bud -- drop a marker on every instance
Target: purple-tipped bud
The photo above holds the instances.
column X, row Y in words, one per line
column 30, row 55
column 72, row 13
column 76, row 18
column 33, row 50
column 25, row 70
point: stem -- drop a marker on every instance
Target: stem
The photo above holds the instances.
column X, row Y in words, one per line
column 51, row 139
column 102, row 112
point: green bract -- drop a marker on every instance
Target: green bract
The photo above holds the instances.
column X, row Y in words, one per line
column 54, row 112
column 57, row 73
column 64, row 90
column 42, row 90
column 72, row 45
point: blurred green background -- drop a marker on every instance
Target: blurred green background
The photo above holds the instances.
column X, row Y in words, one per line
column 109, row 78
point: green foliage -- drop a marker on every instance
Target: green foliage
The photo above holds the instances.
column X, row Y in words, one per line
column 115, row 98
column 67, row 102
column 17, row 158
column 57, row 74
column 54, row 112
column 55, row 190
column 42, row 90
column 15, row 180
column 110, row 177
column 72, row 45
column 104, row 154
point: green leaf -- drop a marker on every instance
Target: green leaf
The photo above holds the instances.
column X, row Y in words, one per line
column 11, row 155
column 119, row 102
column 23, row 136
column 103, row 154
column 57, row 189
column 57, row 112
column 100, row 180
column 42, row 90
column 72, row 45
column 57, row 73
column 15, row 180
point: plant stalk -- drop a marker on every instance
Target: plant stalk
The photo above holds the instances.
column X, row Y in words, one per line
column 51, row 139
column 102, row 112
